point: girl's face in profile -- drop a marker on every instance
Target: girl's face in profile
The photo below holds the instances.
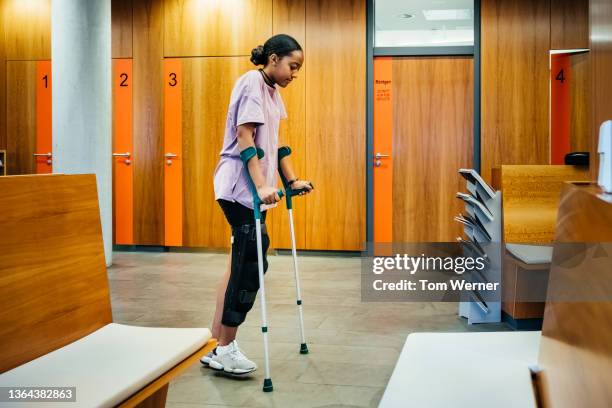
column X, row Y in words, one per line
column 285, row 69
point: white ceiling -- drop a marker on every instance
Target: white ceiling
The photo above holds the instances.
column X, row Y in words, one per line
column 386, row 12
column 393, row 31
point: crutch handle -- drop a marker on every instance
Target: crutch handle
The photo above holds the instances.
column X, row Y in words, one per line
column 246, row 155
column 283, row 152
column 292, row 192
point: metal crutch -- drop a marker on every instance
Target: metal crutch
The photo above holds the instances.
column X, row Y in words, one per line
column 289, row 193
column 247, row 155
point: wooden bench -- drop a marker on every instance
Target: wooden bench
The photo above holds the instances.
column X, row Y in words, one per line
column 56, row 326
column 568, row 364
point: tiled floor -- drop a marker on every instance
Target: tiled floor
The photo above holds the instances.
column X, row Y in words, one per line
column 353, row 345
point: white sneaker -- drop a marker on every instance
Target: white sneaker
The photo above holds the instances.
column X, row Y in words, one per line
column 206, row 358
column 231, row 360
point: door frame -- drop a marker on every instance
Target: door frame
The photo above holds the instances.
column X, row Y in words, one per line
column 371, row 53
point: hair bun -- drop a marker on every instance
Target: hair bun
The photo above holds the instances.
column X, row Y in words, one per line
column 257, row 55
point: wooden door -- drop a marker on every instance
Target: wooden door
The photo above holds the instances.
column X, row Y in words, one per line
column 335, row 124
column 426, row 120
column 29, row 148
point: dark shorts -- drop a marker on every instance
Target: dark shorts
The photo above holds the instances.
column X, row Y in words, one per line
column 237, row 214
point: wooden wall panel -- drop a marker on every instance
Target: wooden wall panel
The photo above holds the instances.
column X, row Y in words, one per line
column 569, row 24
column 335, row 127
column 601, row 66
column 27, row 29
column 148, row 123
column 21, row 116
column 122, row 27
column 290, row 18
column 580, row 115
column 207, row 86
column 432, row 139
column 515, row 87
column 215, row 28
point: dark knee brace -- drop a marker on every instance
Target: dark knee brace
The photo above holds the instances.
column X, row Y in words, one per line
column 244, row 278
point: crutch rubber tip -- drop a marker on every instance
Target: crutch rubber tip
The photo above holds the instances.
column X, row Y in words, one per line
column 267, row 387
column 303, row 349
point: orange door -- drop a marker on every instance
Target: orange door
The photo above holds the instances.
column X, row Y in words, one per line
column 560, row 100
column 123, row 150
column 44, row 152
column 383, row 150
column 173, row 151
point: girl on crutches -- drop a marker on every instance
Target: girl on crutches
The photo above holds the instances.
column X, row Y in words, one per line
column 253, row 121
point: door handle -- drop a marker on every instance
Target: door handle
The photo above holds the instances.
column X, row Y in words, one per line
column 127, row 156
column 170, row 156
column 47, row 155
column 379, row 156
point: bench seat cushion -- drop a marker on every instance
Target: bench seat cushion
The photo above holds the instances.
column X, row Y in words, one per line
column 464, row 370
column 109, row 365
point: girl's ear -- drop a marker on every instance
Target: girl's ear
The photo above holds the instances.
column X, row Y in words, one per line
column 273, row 59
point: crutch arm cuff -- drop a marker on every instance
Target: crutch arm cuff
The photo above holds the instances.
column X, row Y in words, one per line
column 283, row 152
column 247, row 154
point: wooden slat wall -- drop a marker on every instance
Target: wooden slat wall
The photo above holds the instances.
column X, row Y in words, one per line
column 432, row 138
column 515, row 90
column 569, row 24
column 21, row 117
column 335, row 124
column 122, row 27
column 207, row 86
column 290, row 18
column 215, row 28
column 148, row 123
column 601, row 66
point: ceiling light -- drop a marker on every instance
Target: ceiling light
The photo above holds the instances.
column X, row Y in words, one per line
column 455, row 14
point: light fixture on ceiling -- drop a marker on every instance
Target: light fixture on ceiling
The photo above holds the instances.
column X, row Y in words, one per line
column 454, row 14
column 405, row 16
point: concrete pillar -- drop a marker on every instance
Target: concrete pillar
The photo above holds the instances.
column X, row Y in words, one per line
column 82, row 98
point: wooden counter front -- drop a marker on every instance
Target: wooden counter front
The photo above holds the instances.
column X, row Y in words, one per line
column 530, row 197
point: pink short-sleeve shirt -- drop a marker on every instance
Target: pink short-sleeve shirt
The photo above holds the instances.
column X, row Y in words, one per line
column 252, row 101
